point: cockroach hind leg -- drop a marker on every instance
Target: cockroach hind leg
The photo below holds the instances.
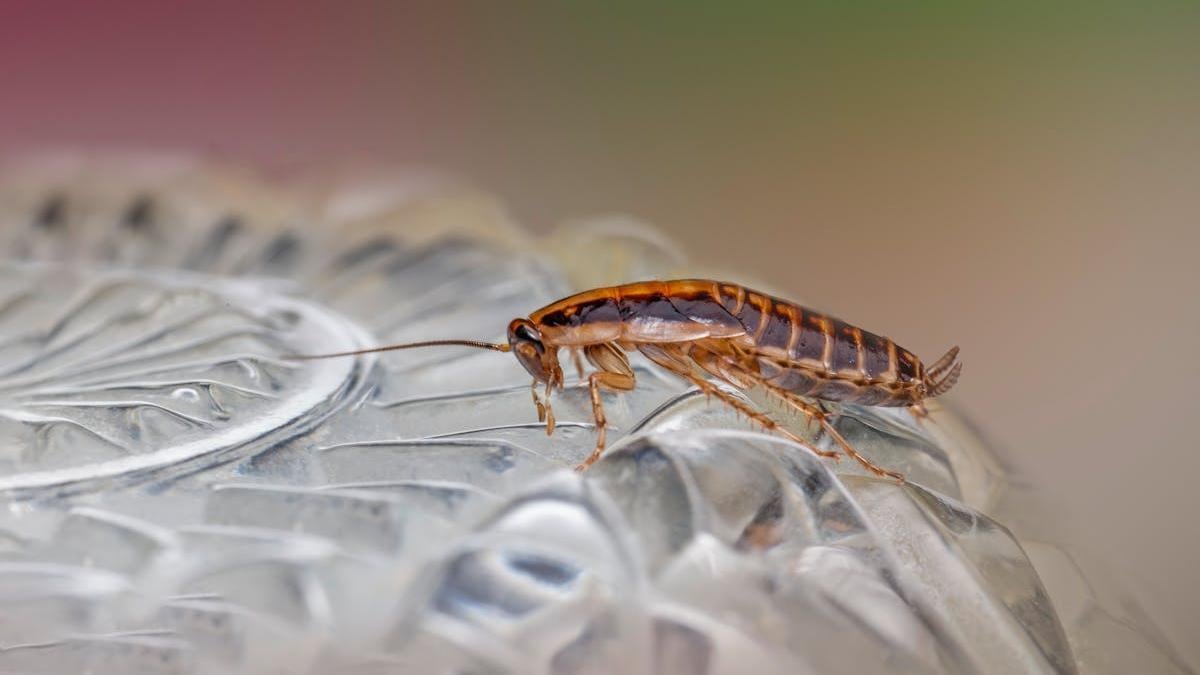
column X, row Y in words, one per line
column 811, row 420
column 823, row 418
column 753, row 415
column 819, row 413
column 866, row 463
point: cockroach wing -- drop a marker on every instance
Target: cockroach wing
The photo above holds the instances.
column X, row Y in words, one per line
column 664, row 318
column 706, row 312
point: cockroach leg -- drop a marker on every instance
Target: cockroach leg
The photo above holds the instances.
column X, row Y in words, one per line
column 919, row 411
column 822, row 417
column 612, row 382
column 541, row 409
column 729, row 369
column 753, row 415
column 666, row 359
column 578, row 361
column 549, row 410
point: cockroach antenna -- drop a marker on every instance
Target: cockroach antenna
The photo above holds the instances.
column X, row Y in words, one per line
column 493, row 346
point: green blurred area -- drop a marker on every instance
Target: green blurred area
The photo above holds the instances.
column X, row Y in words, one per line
column 716, row 88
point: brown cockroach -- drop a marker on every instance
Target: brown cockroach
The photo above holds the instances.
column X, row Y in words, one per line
column 696, row 329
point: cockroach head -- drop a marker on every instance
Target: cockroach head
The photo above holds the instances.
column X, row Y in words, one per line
column 526, row 344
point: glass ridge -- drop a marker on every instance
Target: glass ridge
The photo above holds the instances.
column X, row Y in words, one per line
column 184, row 499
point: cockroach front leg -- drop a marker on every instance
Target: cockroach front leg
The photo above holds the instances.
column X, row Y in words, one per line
column 612, row 382
column 544, row 412
column 537, row 402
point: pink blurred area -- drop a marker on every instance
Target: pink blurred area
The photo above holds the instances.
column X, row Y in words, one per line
column 277, row 81
column 1020, row 181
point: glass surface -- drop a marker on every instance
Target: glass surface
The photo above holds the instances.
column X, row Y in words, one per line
column 182, row 498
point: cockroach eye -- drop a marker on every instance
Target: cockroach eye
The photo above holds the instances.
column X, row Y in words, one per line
column 526, row 334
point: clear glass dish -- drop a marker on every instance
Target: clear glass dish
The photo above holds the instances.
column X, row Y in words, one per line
column 180, row 498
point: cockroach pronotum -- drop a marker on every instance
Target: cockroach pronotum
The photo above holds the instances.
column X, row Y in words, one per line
column 696, row 327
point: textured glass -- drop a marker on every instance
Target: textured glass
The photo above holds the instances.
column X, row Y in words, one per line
column 182, row 498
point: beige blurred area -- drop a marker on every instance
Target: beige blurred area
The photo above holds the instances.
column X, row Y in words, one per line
column 1023, row 182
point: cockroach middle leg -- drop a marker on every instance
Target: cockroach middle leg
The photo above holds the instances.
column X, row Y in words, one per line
column 578, row 361
column 822, row 417
column 612, row 382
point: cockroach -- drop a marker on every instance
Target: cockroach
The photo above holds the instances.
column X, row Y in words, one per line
column 697, row 329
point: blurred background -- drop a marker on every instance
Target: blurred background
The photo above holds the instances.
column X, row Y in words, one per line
column 1020, row 179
